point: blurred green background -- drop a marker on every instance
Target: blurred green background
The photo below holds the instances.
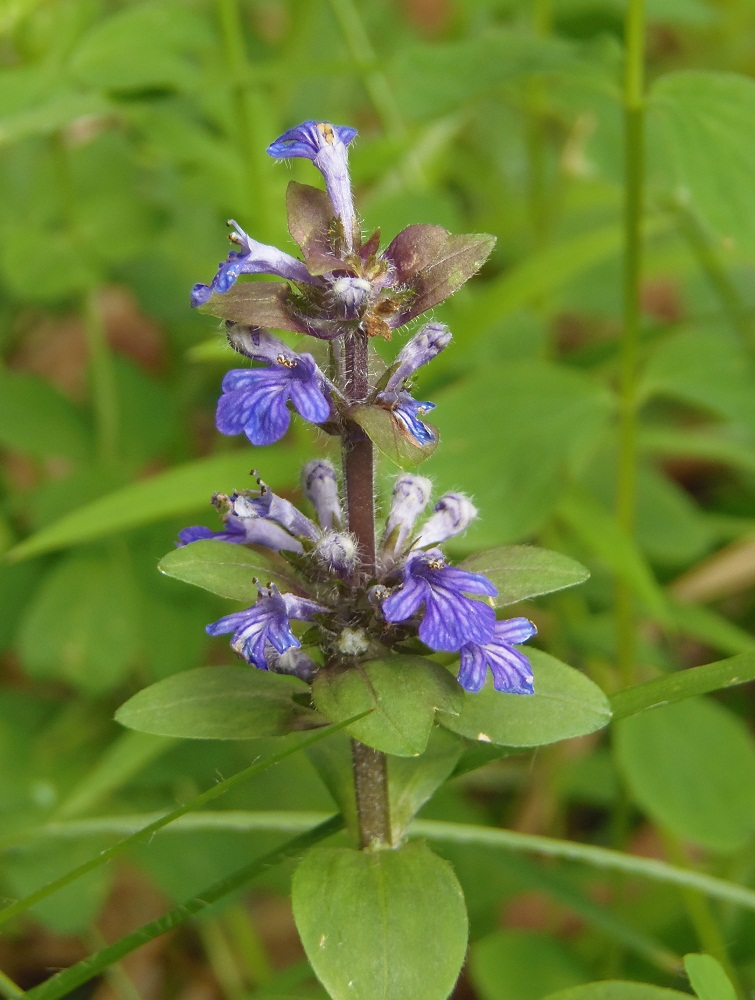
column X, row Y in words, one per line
column 129, row 132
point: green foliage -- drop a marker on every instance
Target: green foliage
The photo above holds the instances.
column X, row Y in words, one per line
column 521, row 965
column 219, row 703
column 691, row 766
column 403, row 693
column 383, row 924
column 522, row 571
column 223, row 568
column 707, row 978
column 565, row 704
column 616, row 991
column 697, row 113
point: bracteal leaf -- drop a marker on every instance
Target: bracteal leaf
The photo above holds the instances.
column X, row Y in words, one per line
column 565, row 704
column 219, row 703
column 380, row 925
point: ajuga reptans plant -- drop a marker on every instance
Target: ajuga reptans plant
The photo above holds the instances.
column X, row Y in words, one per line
column 362, row 596
column 347, row 621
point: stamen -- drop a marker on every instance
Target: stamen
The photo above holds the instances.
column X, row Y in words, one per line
column 326, row 131
column 286, row 362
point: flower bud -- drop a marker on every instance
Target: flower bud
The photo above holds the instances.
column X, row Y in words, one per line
column 425, row 345
column 337, row 551
column 410, row 497
column 353, row 642
column 350, row 295
column 320, row 486
column 453, row 514
column 293, row 661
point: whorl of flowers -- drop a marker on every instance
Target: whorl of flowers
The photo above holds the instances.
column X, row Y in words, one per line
column 345, row 287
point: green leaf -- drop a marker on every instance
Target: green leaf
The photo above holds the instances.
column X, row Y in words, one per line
column 219, row 703
column 683, row 684
column 381, row 925
column 178, row 491
column 224, row 568
column 565, row 704
column 708, row 979
column 143, row 46
column 522, row 571
column 521, row 965
column 598, row 529
column 50, row 115
column 433, row 80
column 404, row 691
column 82, row 625
column 691, row 767
column 413, row 780
column 543, row 273
column 694, row 115
column 513, row 436
column 712, row 628
column 710, row 446
column 615, row 990
column 127, row 756
column 37, row 420
column 708, row 370
column 391, row 437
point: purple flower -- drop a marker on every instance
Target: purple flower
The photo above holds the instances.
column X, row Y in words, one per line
column 269, row 505
column 452, row 515
column 411, row 494
column 425, row 345
column 325, row 145
column 320, row 486
column 244, row 531
column 254, row 402
column 253, row 258
column 266, row 622
column 511, row 669
column 451, row 619
column 409, row 412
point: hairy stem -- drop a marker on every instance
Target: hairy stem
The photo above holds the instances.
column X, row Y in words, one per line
column 370, row 766
column 371, row 787
column 358, row 459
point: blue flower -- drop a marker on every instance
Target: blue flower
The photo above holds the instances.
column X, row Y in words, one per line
column 266, row 622
column 325, row 145
column 422, row 348
column 253, row 258
column 425, row 345
column 451, row 619
column 254, row 402
column 408, row 412
column 244, row 531
column 511, row 669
